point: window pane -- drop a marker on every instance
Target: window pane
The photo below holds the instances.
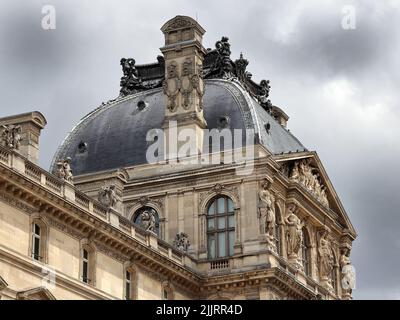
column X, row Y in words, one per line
column 85, row 271
column 221, row 244
column 221, row 205
column 231, row 242
column 231, row 221
column 36, row 250
column 128, row 276
column 211, row 224
column 211, row 246
column 211, row 209
column 37, row 229
column 128, row 291
column 85, row 254
column 230, row 205
column 221, row 223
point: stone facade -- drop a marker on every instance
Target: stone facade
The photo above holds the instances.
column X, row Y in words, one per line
column 143, row 232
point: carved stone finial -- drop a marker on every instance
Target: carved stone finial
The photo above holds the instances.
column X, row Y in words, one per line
column 107, row 196
column 181, row 241
column 64, row 170
column 11, row 136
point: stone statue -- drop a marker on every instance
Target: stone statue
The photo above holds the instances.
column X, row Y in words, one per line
column 148, row 220
column 310, row 179
column 181, row 241
column 348, row 275
column 264, row 94
column 107, row 196
column 11, row 136
column 294, row 232
column 130, row 82
column 64, row 170
column 325, row 255
column 266, row 210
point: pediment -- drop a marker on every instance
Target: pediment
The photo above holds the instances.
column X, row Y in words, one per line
column 306, row 170
column 3, row 283
column 40, row 293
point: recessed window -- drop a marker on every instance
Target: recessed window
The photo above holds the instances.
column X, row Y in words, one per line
column 306, row 252
column 128, row 287
column 85, row 266
column 220, row 228
column 36, row 242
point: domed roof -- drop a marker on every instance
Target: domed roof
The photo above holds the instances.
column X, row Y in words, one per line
column 114, row 135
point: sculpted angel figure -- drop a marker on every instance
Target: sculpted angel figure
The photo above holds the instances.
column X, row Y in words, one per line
column 294, row 232
column 266, row 210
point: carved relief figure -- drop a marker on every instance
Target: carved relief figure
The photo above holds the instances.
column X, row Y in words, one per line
column 294, row 233
column 348, row 276
column 266, row 210
column 64, row 170
column 310, row 178
column 172, row 85
column 11, row 136
column 181, row 241
column 107, row 196
column 325, row 255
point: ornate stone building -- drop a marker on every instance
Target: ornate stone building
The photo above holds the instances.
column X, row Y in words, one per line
column 107, row 223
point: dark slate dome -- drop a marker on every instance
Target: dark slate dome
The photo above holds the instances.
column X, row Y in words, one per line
column 114, row 135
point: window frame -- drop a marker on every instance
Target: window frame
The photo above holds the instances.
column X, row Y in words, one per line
column 227, row 229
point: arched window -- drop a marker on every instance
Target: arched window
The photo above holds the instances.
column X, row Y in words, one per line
column 38, row 245
column 220, row 228
column 306, row 252
column 148, row 219
column 277, row 230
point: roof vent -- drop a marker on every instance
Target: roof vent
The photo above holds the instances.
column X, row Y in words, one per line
column 141, row 104
column 223, row 122
column 82, row 147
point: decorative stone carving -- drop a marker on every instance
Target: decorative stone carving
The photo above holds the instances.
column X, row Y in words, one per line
column 294, row 234
column 107, row 196
column 310, row 179
column 347, row 273
column 130, row 82
column 223, row 66
column 264, row 94
column 64, row 170
column 266, row 210
column 172, row 86
column 11, row 136
column 325, row 256
column 181, row 241
column 148, row 220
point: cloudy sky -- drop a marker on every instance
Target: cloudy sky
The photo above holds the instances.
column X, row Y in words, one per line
column 339, row 87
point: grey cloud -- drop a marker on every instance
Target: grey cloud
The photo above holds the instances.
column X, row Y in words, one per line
column 298, row 45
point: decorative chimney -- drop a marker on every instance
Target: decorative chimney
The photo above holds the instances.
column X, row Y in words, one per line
column 183, row 85
column 21, row 132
